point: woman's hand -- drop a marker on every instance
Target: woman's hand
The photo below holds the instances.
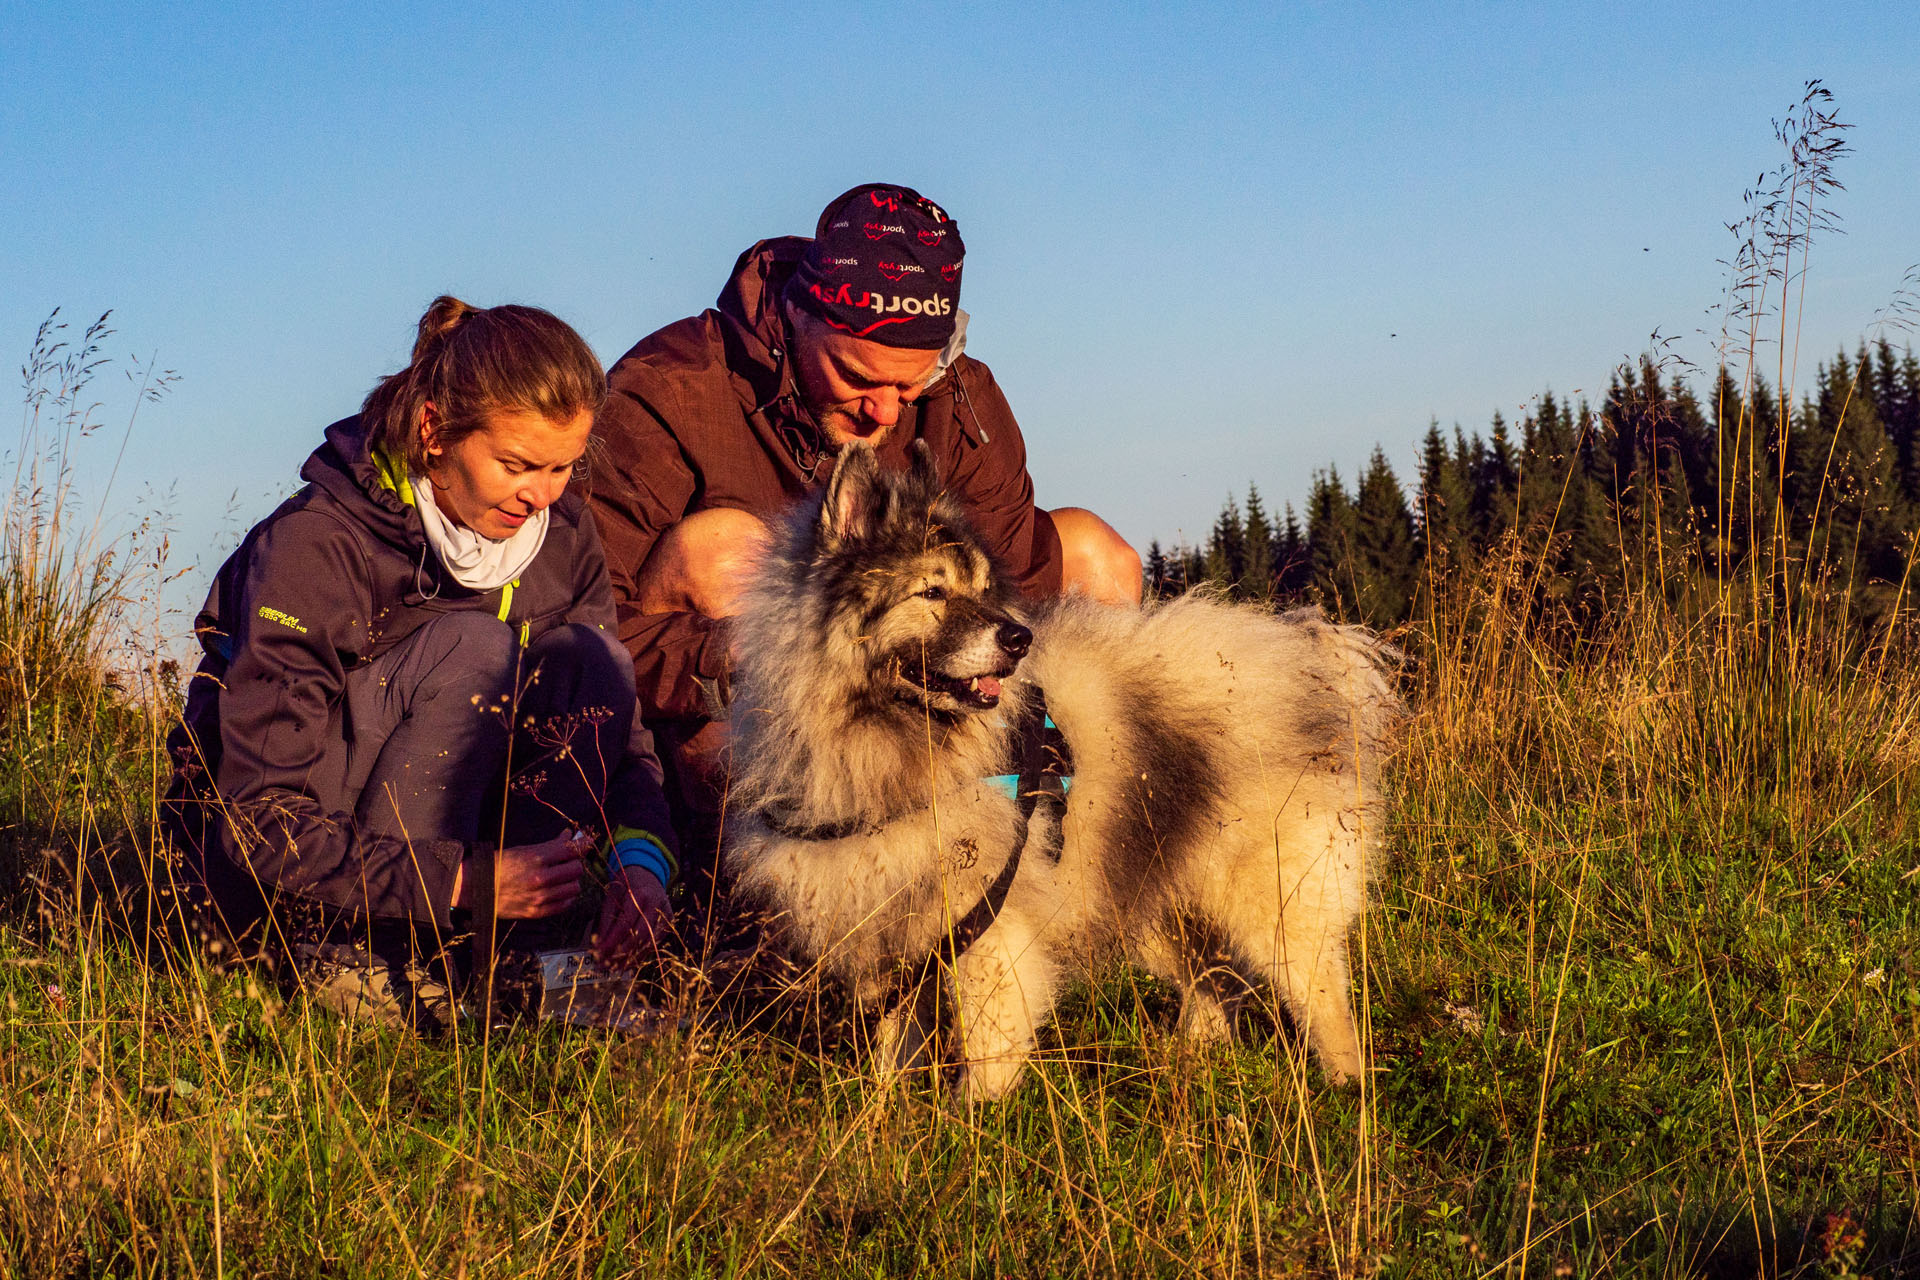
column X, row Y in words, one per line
column 634, row 919
column 534, row 880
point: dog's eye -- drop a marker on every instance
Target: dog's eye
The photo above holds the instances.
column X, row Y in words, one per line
column 934, row 592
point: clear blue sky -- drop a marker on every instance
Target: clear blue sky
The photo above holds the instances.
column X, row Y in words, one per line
column 1207, row 244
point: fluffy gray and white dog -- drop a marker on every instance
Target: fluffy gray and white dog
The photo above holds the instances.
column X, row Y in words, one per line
column 1219, row 828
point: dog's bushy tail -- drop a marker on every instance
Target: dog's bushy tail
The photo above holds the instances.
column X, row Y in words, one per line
column 1364, row 668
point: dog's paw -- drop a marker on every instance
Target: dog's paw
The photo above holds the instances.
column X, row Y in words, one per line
column 992, row 1079
column 1204, row 1020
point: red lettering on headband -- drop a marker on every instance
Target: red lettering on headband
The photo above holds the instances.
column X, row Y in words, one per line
column 843, row 297
column 881, row 200
column 861, row 333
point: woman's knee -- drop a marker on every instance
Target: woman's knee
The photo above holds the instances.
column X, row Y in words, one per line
column 584, row 667
column 479, row 638
column 463, row 650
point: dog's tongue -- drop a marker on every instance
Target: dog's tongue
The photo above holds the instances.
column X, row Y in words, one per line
column 989, row 686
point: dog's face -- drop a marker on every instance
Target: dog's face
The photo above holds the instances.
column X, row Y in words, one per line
column 911, row 596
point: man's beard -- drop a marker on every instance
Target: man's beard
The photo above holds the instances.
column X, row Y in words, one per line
column 838, row 426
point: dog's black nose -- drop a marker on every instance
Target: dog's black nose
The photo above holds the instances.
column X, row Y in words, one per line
column 1014, row 639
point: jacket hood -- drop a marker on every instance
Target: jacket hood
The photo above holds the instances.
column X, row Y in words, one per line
column 751, row 296
column 343, row 465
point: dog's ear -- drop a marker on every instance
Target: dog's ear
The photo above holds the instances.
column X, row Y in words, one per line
column 926, row 476
column 855, row 498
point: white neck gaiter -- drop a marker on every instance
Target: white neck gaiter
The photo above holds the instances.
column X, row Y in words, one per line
column 476, row 562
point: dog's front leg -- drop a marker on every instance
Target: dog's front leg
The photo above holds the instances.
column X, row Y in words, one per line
column 903, row 1039
column 1004, row 987
column 1308, row 969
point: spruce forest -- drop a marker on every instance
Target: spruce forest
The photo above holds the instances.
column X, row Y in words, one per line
column 1661, row 486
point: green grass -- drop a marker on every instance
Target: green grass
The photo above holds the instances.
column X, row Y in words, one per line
column 1640, row 985
column 1625, row 1018
column 1729, row 1070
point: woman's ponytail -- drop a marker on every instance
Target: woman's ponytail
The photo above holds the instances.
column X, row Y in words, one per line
column 444, row 316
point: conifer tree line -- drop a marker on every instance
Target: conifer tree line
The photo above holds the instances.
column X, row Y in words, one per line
column 1659, row 486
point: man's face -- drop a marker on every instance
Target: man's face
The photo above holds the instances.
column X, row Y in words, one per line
column 854, row 388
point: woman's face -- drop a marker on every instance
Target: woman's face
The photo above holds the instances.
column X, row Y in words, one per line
column 495, row 479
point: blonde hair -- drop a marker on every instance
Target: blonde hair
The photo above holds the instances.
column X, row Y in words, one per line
column 471, row 361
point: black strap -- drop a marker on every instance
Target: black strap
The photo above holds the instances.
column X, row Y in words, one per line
column 967, row 929
column 480, row 901
column 1043, row 761
column 785, row 826
column 1042, row 755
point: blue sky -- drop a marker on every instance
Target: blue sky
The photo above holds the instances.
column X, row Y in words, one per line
column 1208, row 245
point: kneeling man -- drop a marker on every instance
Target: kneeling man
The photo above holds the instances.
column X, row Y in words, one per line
column 716, row 423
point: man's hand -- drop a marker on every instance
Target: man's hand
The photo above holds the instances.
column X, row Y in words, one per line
column 634, row 919
column 533, row 880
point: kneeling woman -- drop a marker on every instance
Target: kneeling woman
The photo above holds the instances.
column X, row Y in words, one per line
column 413, row 718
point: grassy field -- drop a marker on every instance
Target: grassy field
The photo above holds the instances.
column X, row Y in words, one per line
column 1641, row 991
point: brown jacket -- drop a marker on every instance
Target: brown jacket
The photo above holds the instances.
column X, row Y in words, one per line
column 703, row 414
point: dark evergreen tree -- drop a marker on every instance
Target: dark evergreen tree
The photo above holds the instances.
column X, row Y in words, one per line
column 1293, row 566
column 1227, row 548
column 1858, row 513
column 1155, row 572
column 1558, row 512
column 1649, row 430
column 1897, row 396
column 1739, row 465
column 1589, row 558
column 1544, row 448
column 1193, row 567
column 1330, row 545
column 1383, row 542
column 1444, row 501
column 1496, row 485
column 1655, row 490
column 1256, row 579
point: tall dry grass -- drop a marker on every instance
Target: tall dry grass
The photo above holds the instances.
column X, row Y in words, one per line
column 78, row 695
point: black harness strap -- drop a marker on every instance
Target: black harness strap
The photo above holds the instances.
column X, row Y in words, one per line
column 1041, row 753
column 967, row 929
column 819, row 830
column 1044, row 761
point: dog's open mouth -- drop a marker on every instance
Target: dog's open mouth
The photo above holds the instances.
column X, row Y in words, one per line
column 979, row 692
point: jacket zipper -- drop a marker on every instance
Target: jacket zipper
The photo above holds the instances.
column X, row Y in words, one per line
column 506, row 603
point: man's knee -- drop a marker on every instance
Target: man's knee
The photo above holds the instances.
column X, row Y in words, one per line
column 701, row 563
column 1095, row 558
